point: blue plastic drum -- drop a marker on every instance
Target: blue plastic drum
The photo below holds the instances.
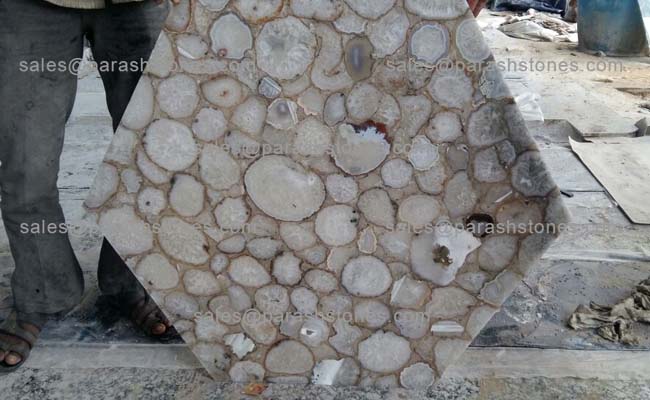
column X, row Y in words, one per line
column 615, row 27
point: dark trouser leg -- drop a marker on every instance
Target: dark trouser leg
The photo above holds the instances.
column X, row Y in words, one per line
column 34, row 109
column 124, row 32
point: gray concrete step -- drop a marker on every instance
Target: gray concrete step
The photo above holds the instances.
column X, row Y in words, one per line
column 143, row 372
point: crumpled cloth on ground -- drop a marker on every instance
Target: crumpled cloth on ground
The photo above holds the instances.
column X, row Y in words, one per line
column 539, row 26
column 615, row 323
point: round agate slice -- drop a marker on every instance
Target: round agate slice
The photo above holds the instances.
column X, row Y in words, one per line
column 283, row 189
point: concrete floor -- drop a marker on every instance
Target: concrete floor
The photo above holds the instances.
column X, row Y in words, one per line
column 525, row 352
column 189, row 385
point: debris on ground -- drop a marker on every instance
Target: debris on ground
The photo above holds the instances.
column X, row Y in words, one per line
column 540, row 27
column 254, row 389
column 615, row 323
column 643, row 93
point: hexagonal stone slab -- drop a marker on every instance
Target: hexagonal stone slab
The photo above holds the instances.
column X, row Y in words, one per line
column 334, row 191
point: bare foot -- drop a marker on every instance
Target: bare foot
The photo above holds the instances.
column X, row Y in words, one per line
column 16, row 341
column 147, row 316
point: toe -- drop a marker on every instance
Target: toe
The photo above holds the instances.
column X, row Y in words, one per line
column 12, row 359
column 158, row 329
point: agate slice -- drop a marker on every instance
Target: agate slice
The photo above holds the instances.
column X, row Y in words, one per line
column 309, row 196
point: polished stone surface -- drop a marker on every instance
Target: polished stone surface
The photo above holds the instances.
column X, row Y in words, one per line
column 307, row 196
